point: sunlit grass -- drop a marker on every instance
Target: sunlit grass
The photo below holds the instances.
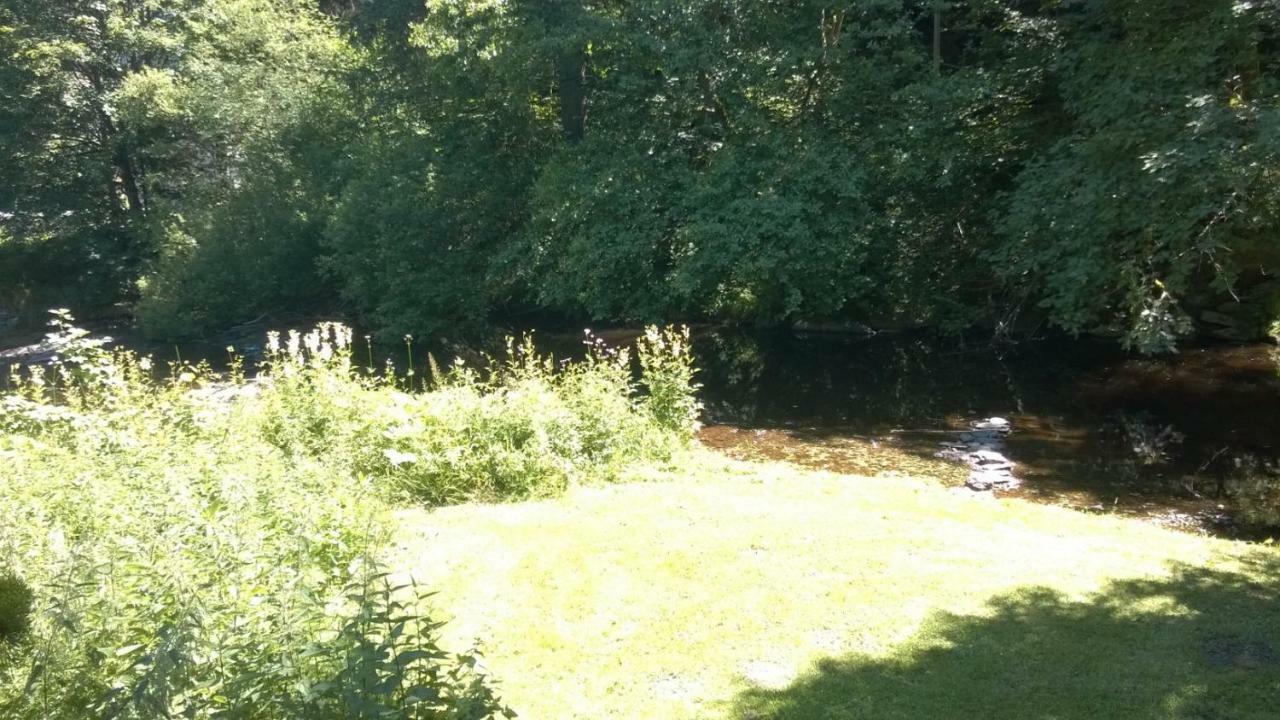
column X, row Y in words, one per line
column 735, row 589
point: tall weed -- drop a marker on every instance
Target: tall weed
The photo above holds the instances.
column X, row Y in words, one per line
column 205, row 546
column 183, row 565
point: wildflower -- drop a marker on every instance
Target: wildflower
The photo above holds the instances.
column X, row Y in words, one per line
column 398, row 458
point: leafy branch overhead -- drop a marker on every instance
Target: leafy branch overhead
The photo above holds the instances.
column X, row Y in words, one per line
column 1100, row 166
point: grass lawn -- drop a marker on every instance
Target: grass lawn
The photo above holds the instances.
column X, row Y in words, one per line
column 729, row 589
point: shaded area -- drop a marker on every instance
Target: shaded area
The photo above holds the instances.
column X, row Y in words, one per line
column 1200, row 645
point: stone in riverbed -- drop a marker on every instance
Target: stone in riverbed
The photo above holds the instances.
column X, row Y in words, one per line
column 977, row 482
column 993, row 425
column 1004, row 467
column 990, row 480
column 986, row 457
column 982, row 449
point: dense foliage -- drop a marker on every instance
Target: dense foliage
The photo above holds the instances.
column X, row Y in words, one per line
column 1102, row 165
column 188, row 545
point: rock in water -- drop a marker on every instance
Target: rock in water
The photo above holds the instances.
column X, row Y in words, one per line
column 982, row 449
column 977, row 482
column 993, row 424
column 991, row 480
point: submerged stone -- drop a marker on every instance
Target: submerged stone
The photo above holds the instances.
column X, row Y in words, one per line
column 981, row 448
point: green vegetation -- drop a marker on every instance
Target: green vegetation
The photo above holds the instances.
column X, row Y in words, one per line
column 203, row 546
column 187, row 543
column 15, row 607
column 432, row 165
column 758, row 590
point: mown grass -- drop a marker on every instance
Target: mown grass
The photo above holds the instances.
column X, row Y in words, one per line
column 753, row 590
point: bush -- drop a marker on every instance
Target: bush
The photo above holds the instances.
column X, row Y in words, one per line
column 184, row 565
column 41, row 267
column 522, row 427
column 15, row 607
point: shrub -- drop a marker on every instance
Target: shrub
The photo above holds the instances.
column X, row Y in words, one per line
column 524, row 426
column 529, row 427
column 184, row 565
column 15, row 607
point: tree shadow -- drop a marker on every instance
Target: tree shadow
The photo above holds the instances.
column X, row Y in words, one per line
column 1199, row 645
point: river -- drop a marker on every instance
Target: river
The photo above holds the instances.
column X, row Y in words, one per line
column 1190, row 440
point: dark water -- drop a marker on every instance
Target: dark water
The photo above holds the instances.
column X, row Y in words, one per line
column 1191, row 440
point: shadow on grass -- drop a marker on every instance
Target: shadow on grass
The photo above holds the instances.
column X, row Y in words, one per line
column 1201, row 645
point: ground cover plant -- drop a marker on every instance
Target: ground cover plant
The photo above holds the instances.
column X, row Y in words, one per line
column 185, row 544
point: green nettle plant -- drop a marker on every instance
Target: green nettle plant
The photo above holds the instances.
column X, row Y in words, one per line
column 185, row 544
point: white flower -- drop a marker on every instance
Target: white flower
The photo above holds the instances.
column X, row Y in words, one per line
column 397, row 458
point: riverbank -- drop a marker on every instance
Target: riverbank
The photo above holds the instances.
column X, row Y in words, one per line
column 720, row 588
column 905, row 454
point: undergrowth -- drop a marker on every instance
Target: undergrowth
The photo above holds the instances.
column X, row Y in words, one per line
column 186, row 544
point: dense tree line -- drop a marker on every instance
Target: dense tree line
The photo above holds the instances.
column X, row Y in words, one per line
column 428, row 165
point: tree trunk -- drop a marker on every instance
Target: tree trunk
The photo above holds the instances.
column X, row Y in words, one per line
column 710, row 97
column 571, row 71
column 937, row 36
column 128, row 179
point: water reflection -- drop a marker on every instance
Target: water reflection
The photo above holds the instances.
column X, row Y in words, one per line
column 1193, row 440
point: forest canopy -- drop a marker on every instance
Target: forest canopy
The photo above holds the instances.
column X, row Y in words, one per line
column 434, row 165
